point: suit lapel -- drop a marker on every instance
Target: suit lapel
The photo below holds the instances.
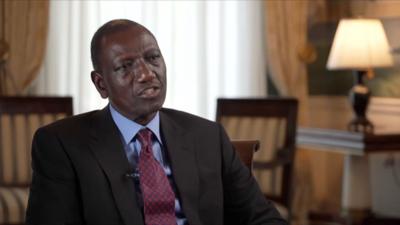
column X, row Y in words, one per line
column 182, row 156
column 108, row 149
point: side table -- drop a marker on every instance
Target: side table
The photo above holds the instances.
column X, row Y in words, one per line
column 367, row 185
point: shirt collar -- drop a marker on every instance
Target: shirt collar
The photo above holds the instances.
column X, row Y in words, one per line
column 129, row 128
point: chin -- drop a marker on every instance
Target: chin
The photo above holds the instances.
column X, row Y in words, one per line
column 157, row 103
column 148, row 108
column 155, row 107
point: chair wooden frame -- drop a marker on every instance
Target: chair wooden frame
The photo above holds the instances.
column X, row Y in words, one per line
column 17, row 110
column 39, row 105
column 245, row 150
column 276, row 108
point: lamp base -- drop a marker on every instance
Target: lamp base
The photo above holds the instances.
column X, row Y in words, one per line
column 359, row 99
column 360, row 125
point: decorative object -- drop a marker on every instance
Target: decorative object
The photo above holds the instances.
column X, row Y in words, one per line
column 360, row 45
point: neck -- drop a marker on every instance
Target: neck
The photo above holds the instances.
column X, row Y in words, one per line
column 143, row 119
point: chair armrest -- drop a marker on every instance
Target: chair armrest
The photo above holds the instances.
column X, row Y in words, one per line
column 245, row 150
column 283, row 156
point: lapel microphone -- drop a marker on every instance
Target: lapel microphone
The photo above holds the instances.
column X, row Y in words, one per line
column 132, row 175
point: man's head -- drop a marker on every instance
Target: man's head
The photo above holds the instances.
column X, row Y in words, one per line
column 129, row 69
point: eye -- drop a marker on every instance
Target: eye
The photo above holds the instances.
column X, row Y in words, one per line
column 124, row 66
column 153, row 57
column 128, row 64
column 118, row 68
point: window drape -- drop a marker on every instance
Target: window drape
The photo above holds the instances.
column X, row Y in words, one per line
column 286, row 26
column 23, row 33
column 286, row 37
column 211, row 48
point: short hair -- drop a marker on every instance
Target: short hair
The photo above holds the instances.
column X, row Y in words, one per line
column 104, row 30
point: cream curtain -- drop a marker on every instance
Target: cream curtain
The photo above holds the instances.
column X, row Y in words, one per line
column 286, row 40
column 211, row 48
column 23, row 35
column 286, row 35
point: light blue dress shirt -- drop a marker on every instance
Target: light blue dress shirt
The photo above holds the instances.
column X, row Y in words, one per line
column 128, row 130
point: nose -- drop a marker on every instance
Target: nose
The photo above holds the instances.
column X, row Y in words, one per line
column 144, row 73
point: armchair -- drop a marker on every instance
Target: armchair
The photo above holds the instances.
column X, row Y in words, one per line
column 19, row 119
column 273, row 122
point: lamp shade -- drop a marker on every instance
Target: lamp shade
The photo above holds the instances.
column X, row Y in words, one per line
column 359, row 44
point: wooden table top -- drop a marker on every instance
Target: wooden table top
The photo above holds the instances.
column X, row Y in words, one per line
column 350, row 142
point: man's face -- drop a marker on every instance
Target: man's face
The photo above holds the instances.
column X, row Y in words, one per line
column 133, row 73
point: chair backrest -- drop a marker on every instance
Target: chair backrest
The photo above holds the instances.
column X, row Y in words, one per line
column 246, row 150
column 19, row 119
column 272, row 121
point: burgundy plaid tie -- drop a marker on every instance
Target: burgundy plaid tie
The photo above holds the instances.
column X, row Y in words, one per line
column 158, row 196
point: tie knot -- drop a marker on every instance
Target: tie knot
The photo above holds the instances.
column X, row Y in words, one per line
column 144, row 137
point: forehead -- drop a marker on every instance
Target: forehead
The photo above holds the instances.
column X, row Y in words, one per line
column 133, row 40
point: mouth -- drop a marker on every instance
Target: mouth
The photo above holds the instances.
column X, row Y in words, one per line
column 150, row 92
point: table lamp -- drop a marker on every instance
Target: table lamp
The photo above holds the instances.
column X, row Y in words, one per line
column 359, row 45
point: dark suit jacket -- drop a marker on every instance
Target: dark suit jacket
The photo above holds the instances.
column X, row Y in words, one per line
column 80, row 167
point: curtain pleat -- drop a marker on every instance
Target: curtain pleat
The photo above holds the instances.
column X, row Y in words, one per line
column 24, row 31
column 286, row 37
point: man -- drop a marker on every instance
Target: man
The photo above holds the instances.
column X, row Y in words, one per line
column 134, row 162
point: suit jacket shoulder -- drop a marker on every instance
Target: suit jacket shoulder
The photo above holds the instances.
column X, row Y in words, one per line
column 73, row 124
column 186, row 120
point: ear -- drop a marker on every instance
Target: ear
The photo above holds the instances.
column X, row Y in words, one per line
column 98, row 81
